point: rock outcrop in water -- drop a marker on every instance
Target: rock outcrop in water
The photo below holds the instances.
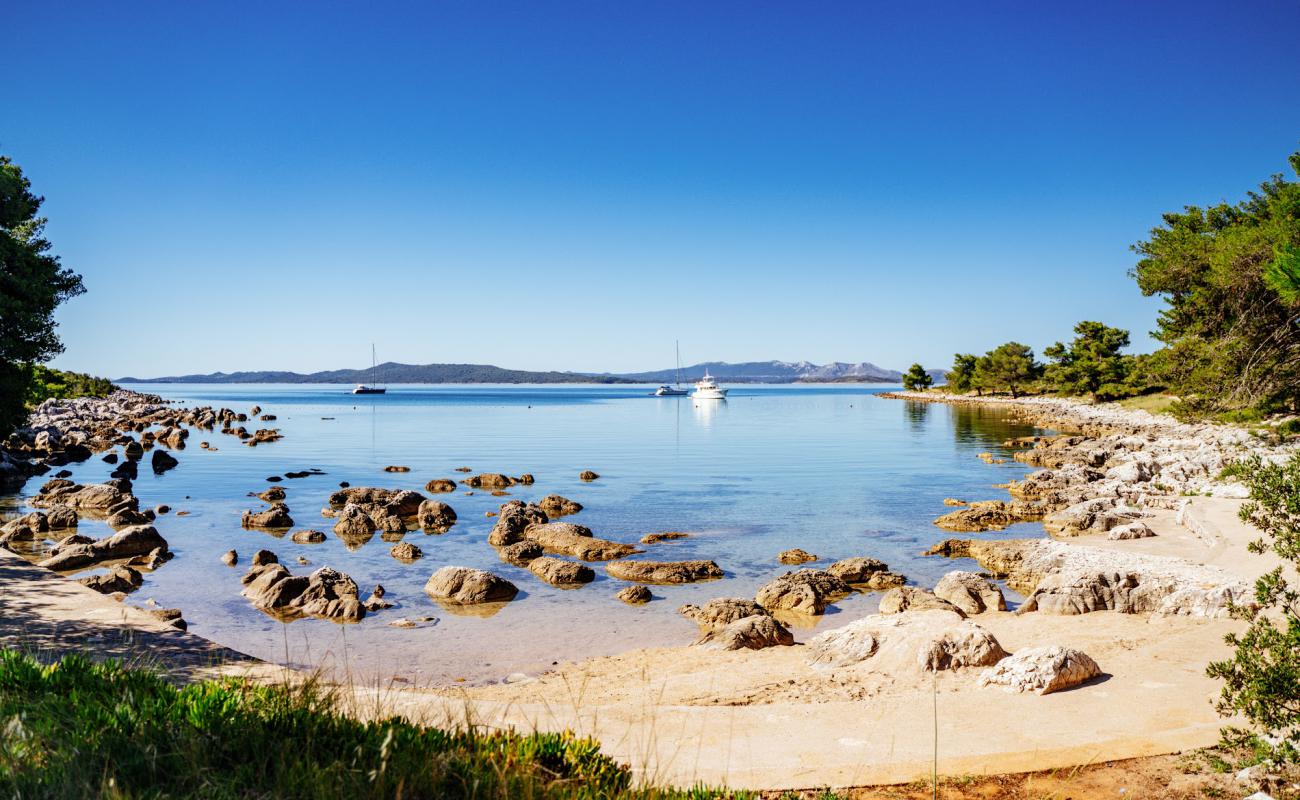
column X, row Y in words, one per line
column 513, row 519
column 576, row 540
column 559, row 572
column 466, row 586
column 866, row 573
column 325, row 593
column 558, row 506
column 139, row 540
column 664, row 572
column 807, row 591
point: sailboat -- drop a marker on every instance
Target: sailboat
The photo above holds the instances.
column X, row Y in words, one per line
column 675, row 390
column 364, row 389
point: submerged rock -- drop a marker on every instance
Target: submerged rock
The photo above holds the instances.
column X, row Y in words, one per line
column 663, row 536
column 1041, row 670
column 664, row 572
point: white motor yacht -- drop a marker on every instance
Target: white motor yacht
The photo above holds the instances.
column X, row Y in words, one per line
column 707, row 388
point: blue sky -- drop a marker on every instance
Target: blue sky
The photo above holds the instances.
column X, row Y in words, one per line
column 576, row 185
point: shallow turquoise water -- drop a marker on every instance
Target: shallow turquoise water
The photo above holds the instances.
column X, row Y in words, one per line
column 831, row 469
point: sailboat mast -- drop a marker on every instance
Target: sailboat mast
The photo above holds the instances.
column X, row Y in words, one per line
column 678, row 345
column 373, row 365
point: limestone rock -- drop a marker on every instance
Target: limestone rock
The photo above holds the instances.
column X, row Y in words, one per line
column 577, row 541
column 750, row 633
column 664, row 572
column 118, row 579
column 559, row 572
column 440, row 485
column 663, row 536
column 513, row 518
column 138, row 540
column 807, row 591
column 634, row 595
column 897, row 644
column 720, row 612
column 557, row 506
column 467, row 586
column 435, row 516
column 1133, row 530
column 906, row 598
column 970, row 592
column 162, row 461
column 795, row 556
column 405, row 551
column 230, row 558
column 277, row 516
column 520, row 553
column 308, row 537
column 868, row 573
column 1041, row 670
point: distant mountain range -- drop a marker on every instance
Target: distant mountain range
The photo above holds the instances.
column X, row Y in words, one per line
column 749, row 372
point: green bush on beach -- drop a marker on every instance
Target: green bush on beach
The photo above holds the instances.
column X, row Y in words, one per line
column 77, row 728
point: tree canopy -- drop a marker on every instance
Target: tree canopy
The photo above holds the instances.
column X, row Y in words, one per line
column 1091, row 363
column 32, row 285
column 916, row 378
column 1230, row 276
column 961, row 377
column 1009, row 366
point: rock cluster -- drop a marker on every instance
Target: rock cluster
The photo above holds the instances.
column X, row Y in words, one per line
column 325, row 593
column 732, row 623
column 807, row 591
column 916, row 641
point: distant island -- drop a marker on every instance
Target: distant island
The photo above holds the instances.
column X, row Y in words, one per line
column 391, row 372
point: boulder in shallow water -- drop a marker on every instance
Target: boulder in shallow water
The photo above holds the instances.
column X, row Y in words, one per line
column 1041, row 670
column 405, row 551
column 119, row 579
column 559, row 572
column 807, row 591
column 634, row 595
column 588, row 475
column 558, row 506
column 866, row 573
column 664, row 572
column 720, row 612
column 162, row 461
column 308, row 537
column 520, row 553
column 795, row 556
column 277, row 516
column 230, row 558
column 353, row 523
column 435, row 516
column 440, row 485
column 577, row 541
column 513, row 519
column 467, row 586
column 127, row 543
column 489, row 480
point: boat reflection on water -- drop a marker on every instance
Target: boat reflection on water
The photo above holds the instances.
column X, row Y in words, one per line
column 707, row 410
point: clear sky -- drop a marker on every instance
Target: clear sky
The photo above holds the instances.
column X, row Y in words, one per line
column 575, row 185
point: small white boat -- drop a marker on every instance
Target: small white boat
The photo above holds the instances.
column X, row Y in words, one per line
column 676, row 389
column 707, row 388
column 364, row 389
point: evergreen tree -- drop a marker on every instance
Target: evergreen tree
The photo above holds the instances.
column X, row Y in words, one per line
column 1091, row 363
column 1010, row 366
column 916, row 378
column 32, row 284
column 961, row 378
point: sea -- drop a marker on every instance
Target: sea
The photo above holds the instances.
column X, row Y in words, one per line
column 835, row 470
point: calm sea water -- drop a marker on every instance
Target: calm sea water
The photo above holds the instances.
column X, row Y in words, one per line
column 834, row 470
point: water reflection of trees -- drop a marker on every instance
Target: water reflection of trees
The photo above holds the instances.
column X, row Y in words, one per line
column 917, row 413
column 982, row 426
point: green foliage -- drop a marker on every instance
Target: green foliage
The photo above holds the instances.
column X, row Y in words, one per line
column 80, row 729
column 1230, row 276
column 1091, row 363
column 46, row 383
column 1262, row 678
column 961, row 377
column 1009, row 366
column 916, row 378
column 32, row 284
